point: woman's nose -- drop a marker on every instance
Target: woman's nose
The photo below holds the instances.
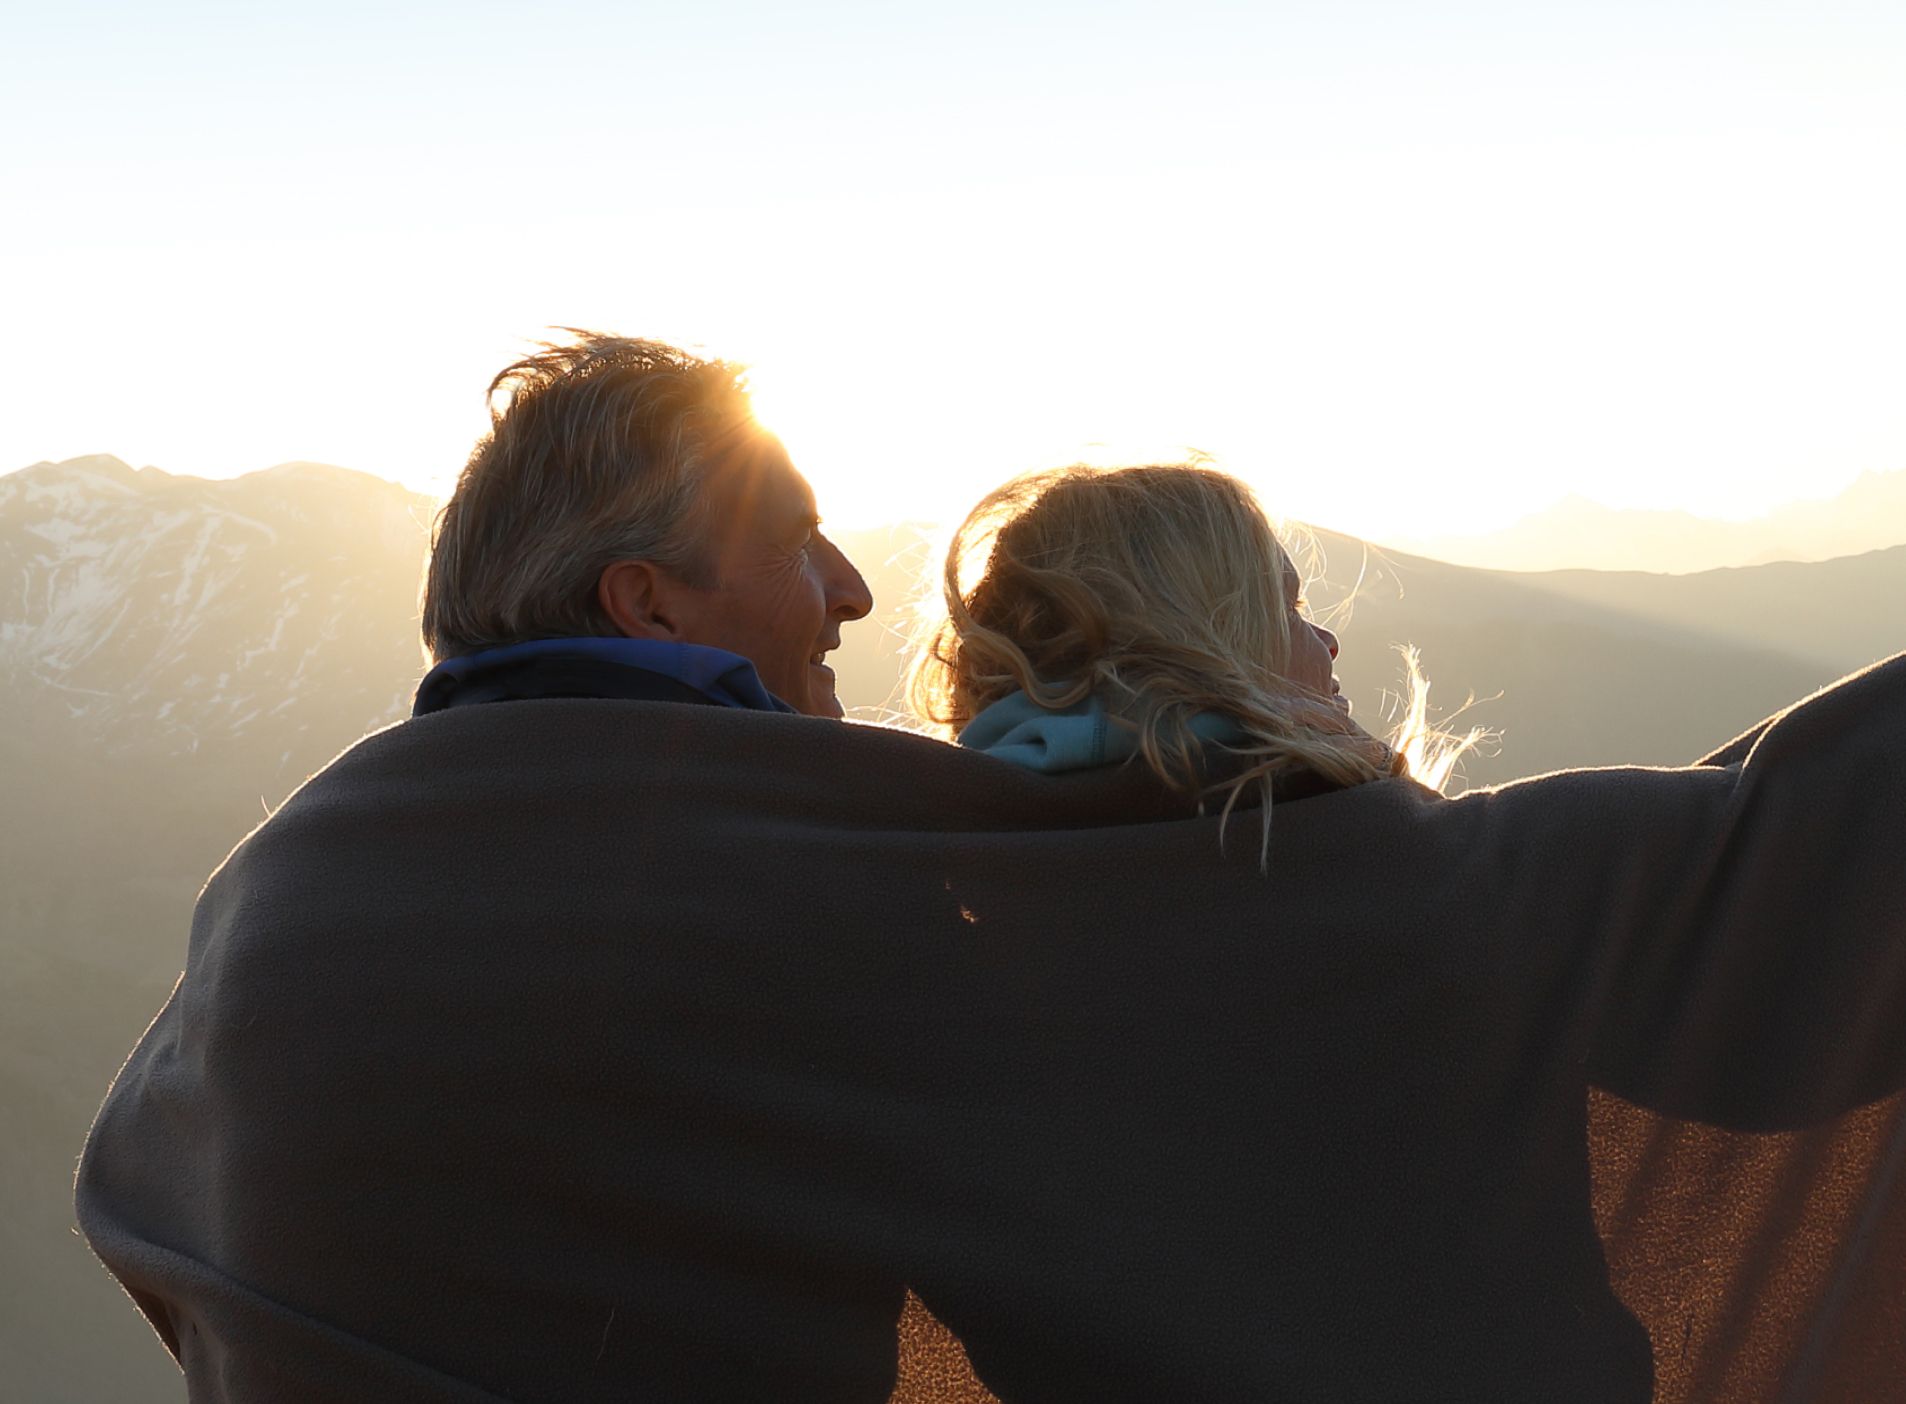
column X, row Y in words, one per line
column 1330, row 640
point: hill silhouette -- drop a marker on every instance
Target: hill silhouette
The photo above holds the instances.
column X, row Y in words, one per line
column 1577, row 533
column 177, row 654
column 1588, row 668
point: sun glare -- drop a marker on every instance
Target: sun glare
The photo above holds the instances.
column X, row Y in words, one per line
column 887, row 454
column 871, row 456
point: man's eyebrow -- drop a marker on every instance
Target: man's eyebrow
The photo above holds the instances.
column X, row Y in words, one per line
column 803, row 520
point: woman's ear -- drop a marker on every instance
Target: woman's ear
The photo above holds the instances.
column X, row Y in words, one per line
column 639, row 599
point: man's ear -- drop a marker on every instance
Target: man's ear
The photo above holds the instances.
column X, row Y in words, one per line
column 639, row 599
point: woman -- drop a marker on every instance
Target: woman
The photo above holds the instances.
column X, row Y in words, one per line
column 1150, row 612
column 1427, row 1211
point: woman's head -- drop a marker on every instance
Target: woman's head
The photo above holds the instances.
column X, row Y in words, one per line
column 1164, row 590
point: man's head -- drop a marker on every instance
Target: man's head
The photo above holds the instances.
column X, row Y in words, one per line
column 625, row 488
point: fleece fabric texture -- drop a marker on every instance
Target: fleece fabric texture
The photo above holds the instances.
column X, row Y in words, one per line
column 607, row 1050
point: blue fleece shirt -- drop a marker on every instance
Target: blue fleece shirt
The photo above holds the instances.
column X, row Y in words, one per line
column 606, row 667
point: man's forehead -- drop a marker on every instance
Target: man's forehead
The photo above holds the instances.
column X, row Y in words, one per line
column 756, row 477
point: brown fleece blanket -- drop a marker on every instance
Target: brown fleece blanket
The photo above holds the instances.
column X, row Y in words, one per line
column 573, row 1050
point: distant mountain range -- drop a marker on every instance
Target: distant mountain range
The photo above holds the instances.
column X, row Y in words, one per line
column 163, row 613
column 1579, row 534
column 177, row 654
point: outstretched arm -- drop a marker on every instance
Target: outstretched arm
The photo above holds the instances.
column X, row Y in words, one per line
column 1737, row 929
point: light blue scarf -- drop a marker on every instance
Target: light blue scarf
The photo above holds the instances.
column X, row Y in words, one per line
column 1082, row 736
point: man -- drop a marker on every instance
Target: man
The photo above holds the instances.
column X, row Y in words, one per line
column 623, row 1026
column 628, row 530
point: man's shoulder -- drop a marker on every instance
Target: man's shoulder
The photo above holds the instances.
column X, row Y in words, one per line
column 590, row 749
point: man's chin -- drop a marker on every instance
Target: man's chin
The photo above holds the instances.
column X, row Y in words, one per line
column 822, row 699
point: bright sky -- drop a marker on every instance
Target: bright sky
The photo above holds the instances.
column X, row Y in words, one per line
column 1408, row 266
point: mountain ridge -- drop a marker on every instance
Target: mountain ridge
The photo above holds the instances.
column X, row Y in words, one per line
column 114, row 581
column 1573, row 533
column 1577, row 532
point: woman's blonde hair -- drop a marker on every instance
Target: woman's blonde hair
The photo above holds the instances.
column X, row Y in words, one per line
column 1162, row 589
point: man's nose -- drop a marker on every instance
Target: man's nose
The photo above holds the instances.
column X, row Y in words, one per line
column 847, row 594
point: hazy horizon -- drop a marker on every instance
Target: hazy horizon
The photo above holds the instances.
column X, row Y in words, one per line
column 1571, row 532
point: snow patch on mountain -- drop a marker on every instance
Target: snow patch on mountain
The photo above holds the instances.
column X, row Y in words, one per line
column 122, row 591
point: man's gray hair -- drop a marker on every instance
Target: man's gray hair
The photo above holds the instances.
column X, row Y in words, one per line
column 595, row 455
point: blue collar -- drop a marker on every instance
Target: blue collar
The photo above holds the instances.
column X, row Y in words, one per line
column 654, row 670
